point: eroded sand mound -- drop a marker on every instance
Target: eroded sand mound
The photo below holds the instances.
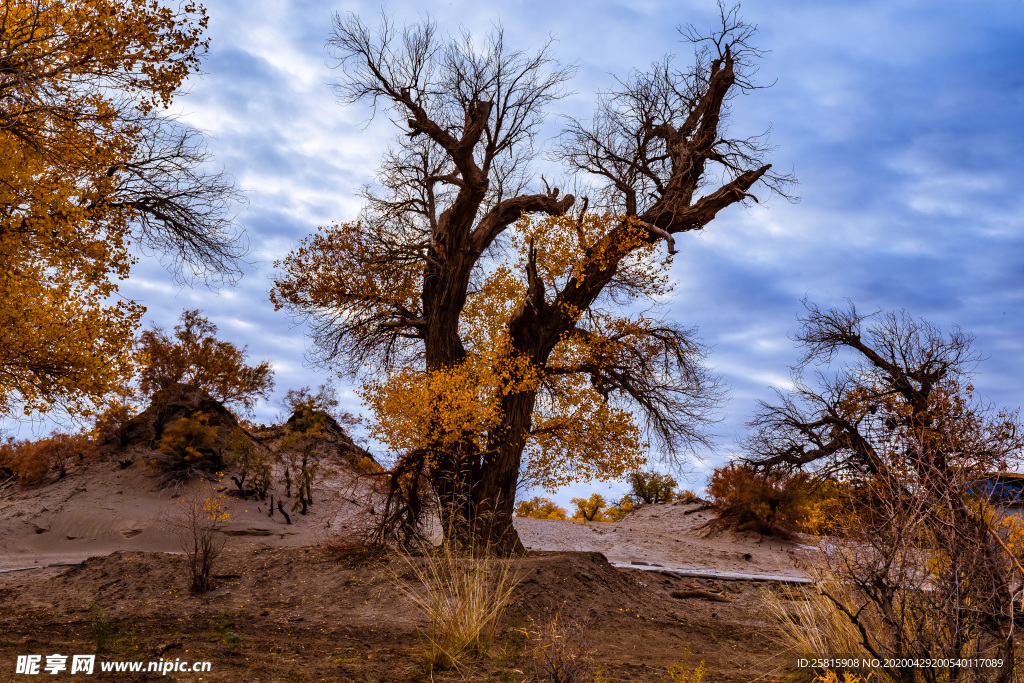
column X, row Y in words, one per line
column 670, row 536
column 100, row 508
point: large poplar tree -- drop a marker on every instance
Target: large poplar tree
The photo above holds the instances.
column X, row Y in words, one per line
column 486, row 309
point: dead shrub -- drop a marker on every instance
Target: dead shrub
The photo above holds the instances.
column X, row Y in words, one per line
column 197, row 523
column 562, row 654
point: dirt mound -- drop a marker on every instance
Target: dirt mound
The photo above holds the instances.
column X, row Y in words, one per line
column 332, row 442
column 166, row 407
column 580, row 587
column 312, row 614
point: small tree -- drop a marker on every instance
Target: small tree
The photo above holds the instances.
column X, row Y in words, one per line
column 589, row 509
column 197, row 523
column 325, row 400
column 251, row 461
column 301, row 449
column 652, row 487
column 196, row 358
column 539, row 508
column 625, row 505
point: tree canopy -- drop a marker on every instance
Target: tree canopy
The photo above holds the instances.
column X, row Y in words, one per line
column 196, row 358
column 90, row 168
column 890, row 413
column 492, row 317
column 899, row 402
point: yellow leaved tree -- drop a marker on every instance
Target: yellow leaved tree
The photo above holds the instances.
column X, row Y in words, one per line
column 494, row 323
column 89, row 166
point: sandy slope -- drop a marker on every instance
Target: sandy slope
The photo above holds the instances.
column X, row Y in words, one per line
column 99, row 509
column 665, row 537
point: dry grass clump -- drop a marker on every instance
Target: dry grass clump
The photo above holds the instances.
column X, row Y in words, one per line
column 463, row 595
column 809, row 623
column 562, row 654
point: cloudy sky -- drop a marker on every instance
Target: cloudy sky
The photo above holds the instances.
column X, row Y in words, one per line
column 902, row 121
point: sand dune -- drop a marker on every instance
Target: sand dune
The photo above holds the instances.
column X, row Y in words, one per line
column 99, row 509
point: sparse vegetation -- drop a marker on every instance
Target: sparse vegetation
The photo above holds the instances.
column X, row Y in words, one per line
column 808, row 622
column 122, row 641
column 223, row 624
column 688, row 496
column 680, row 672
column 922, row 567
column 562, row 655
column 652, row 487
column 540, row 508
column 462, row 595
column 196, row 523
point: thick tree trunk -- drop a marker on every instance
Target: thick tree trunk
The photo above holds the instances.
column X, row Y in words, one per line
column 495, row 491
column 476, row 492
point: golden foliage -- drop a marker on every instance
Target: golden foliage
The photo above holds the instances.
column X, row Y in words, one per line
column 777, row 502
column 589, row 509
column 188, row 435
column 32, row 461
column 539, row 508
column 310, row 277
column 80, row 80
column 652, row 487
column 616, row 512
column 196, row 358
column 186, row 449
column 560, row 241
column 951, row 422
column 577, row 434
column 679, row 672
column 108, row 423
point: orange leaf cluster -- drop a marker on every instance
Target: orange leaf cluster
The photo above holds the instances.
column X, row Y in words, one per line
column 80, row 80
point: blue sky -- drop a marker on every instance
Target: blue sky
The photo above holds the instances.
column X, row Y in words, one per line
column 902, row 121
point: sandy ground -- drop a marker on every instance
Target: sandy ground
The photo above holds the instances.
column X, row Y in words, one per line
column 333, row 615
column 671, row 536
column 99, row 509
column 312, row 607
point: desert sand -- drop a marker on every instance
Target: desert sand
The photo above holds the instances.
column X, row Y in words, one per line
column 100, row 509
